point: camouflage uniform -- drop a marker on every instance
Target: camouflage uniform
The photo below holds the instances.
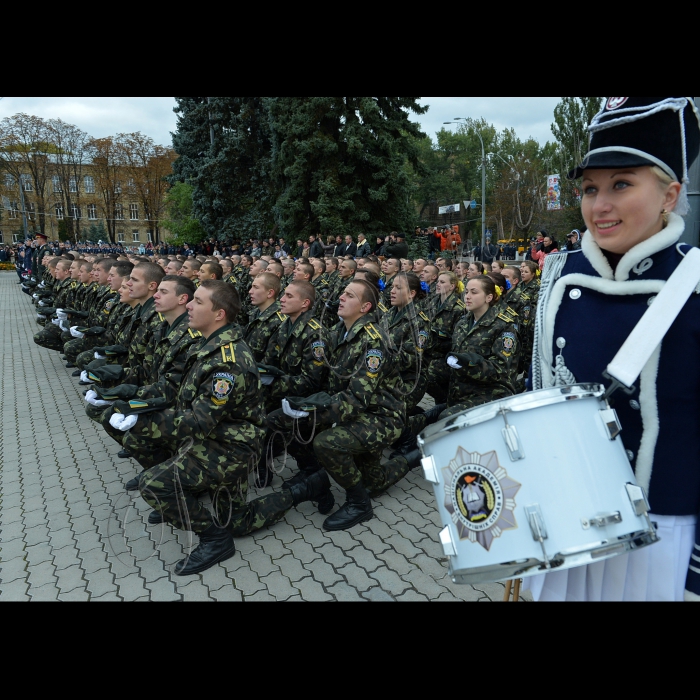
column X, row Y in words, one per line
column 367, row 407
column 444, row 317
column 50, row 336
column 323, row 292
column 118, row 333
column 329, row 315
column 208, row 440
column 408, row 330
column 74, row 347
column 529, row 294
column 261, row 328
column 298, row 349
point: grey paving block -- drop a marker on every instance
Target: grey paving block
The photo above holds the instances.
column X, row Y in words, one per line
column 410, row 596
column 11, row 530
column 45, row 592
column 131, row 587
column 65, row 557
column 108, row 598
column 303, row 551
column 70, row 578
column 93, row 560
column 13, row 570
column 356, row 577
column 216, row 578
column 260, row 596
column 261, row 563
column 424, row 583
column 364, row 558
column 191, row 590
column 371, row 541
column 76, row 595
column 389, row 581
column 436, row 568
column 163, row 590
column 395, row 561
column 100, row 582
column 343, row 592
column 402, row 546
column 377, row 595
column 14, row 591
column 82, row 524
column 152, row 569
column 248, row 582
column 41, row 574
column 227, row 593
column 333, row 555
column 38, row 553
column 86, row 541
column 273, row 547
column 311, row 590
column 11, row 549
column 278, row 586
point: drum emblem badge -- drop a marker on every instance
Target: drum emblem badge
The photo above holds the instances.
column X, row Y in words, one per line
column 479, row 496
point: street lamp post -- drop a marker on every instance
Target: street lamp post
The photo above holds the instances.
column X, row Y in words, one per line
column 457, row 120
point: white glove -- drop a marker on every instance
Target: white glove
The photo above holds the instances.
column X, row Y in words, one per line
column 266, row 379
column 91, row 398
column 35, row 296
column 39, row 316
column 453, row 362
column 84, row 377
column 62, row 314
column 60, row 311
column 62, row 324
column 122, row 422
column 289, row 411
column 99, row 357
column 42, row 285
column 42, row 303
column 75, row 332
column 56, row 321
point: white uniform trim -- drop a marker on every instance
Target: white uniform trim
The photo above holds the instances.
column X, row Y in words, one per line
column 650, row 419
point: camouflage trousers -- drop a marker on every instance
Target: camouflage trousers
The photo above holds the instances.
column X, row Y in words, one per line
column 49, row 337
column 438, row 379
column 352, row 453
column 173, row 487
column 415, row 385
column 74, row 347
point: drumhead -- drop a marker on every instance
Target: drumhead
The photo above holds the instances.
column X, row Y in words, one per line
column 519, row 402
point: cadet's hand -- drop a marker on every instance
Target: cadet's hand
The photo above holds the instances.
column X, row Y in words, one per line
column 84, row 377
column 62, row 315
column 91, row 398
column 99, row 357
column 75, row 332
column 310, row 403
column 289, row 411
column 122, row 422
column 270, row 369
column 457, row 360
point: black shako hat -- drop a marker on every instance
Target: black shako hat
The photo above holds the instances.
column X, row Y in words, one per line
column 637, row 131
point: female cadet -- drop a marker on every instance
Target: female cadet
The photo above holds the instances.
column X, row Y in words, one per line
column 447, row 310
column 529, row 292
column 408, row 329
column 635, row 177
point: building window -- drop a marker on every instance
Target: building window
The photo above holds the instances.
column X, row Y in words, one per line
column 59, row 211
column 120, row 236
column 134, row 212
column 13, row 212
column 131, row 184
column 73, row 184
column 90, row 184
column 27, row 183
column 117, row 187
column 118, row 212
column 149, row 235
column 75, row 211
column 9, row 181
column 31, row 211
column 57, row 183
column 92, row 211
column 135, row 235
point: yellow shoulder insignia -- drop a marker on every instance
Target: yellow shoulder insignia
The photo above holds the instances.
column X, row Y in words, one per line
column 460, row 304
column 505, row 317
column 161, row 317
column 314, row 324
column 512, row 312
column 281, row 316
column 423, row 316
column 227, row 353
column 194, row 334
column 372, row 331
column 382, row 308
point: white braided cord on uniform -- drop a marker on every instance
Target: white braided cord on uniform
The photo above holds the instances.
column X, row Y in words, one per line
column 553, row 267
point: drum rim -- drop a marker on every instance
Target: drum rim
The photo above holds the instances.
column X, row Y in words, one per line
column 518, row 402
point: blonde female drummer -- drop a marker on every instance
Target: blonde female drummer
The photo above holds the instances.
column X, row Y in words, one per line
column 634, row 182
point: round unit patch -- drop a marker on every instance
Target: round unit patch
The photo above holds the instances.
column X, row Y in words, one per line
column 480, row 496
column 222, row 385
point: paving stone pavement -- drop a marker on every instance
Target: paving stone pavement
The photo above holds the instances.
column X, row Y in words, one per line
column 69, row 531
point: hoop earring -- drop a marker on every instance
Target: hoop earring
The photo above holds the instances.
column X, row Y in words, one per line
column 664, row 216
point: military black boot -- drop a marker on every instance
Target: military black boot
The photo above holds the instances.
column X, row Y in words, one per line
column 406, row 441
column 215, row 545
column 413, row 458
column 433, row 414
column 314, row 487
column 357, row 509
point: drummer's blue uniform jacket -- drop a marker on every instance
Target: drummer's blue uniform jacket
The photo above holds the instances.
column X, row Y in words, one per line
column 594, row 310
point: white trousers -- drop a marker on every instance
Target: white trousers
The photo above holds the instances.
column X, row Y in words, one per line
column 656, row 572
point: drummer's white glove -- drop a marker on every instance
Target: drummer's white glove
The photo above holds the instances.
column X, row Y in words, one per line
column 84, row 377
column 99, row 357
column 122, row 422
column 91, row 398
column 289, row 411
column 453, row 362
column 75, row 332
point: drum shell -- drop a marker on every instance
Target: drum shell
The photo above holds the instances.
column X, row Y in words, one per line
column 571, row 473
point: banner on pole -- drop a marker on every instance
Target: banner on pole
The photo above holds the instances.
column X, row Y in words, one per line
column 553, row 193
column 449, row 209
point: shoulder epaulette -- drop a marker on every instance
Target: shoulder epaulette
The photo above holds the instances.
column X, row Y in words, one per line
column 282, row 317
column 314, row 324
column 505, row 317
column 227, row 353
column 511, row 312
column 160, row 316
column 459, row 303
column 382, row 308
column 194, row 334
column 372, row 331
column 423, row 316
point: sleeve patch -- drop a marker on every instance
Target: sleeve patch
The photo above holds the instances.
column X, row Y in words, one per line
column 422, row 339
column 318, row 348
column 221, row 387
column 508, row 340
column 373, row 360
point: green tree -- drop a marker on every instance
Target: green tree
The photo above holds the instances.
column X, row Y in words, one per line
column 181, row 223
column 96, row 233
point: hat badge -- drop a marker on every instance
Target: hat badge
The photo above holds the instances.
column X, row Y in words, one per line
column 614, row 103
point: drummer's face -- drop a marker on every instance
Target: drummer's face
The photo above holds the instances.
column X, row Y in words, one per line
column 622, row 207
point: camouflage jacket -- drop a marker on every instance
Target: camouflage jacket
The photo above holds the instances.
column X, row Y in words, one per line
column 364, row 380
column 494, row 338
column 97, row 305
column 261, row 328
column 170, row 345
column 529, row 294
column 408, row 330
column 218, row 403
column 298, row 349
column 144, row 322
column 385, row 294
column 323, row 292
column 444, row 316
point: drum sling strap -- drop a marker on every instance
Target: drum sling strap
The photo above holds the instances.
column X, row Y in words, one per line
column 635, row 352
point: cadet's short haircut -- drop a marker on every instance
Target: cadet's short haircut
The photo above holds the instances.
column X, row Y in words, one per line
column 269, row 281
column 194, row 263
column 215, row 268
column 201, row 258
column 248, row 258
column 151, row 272
column 88, row 265
column 276, row 266
column 515, row 270
column 368, row 275
column 351, row 262
column 307, row 269
column 182, row 286
column 306, row 291
column 65, row 264
column 323, row 264
column 177, row 264
column 225, row 262
column 223, row 296
column 263, row 263
column 369, row 294
column 105, row 263
column 122, row 268
column 373, row 267
column 80, row 261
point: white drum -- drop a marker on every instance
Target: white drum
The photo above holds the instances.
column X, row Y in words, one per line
column 519, row 496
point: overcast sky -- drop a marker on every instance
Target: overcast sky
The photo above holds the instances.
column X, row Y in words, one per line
column 154, row 116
